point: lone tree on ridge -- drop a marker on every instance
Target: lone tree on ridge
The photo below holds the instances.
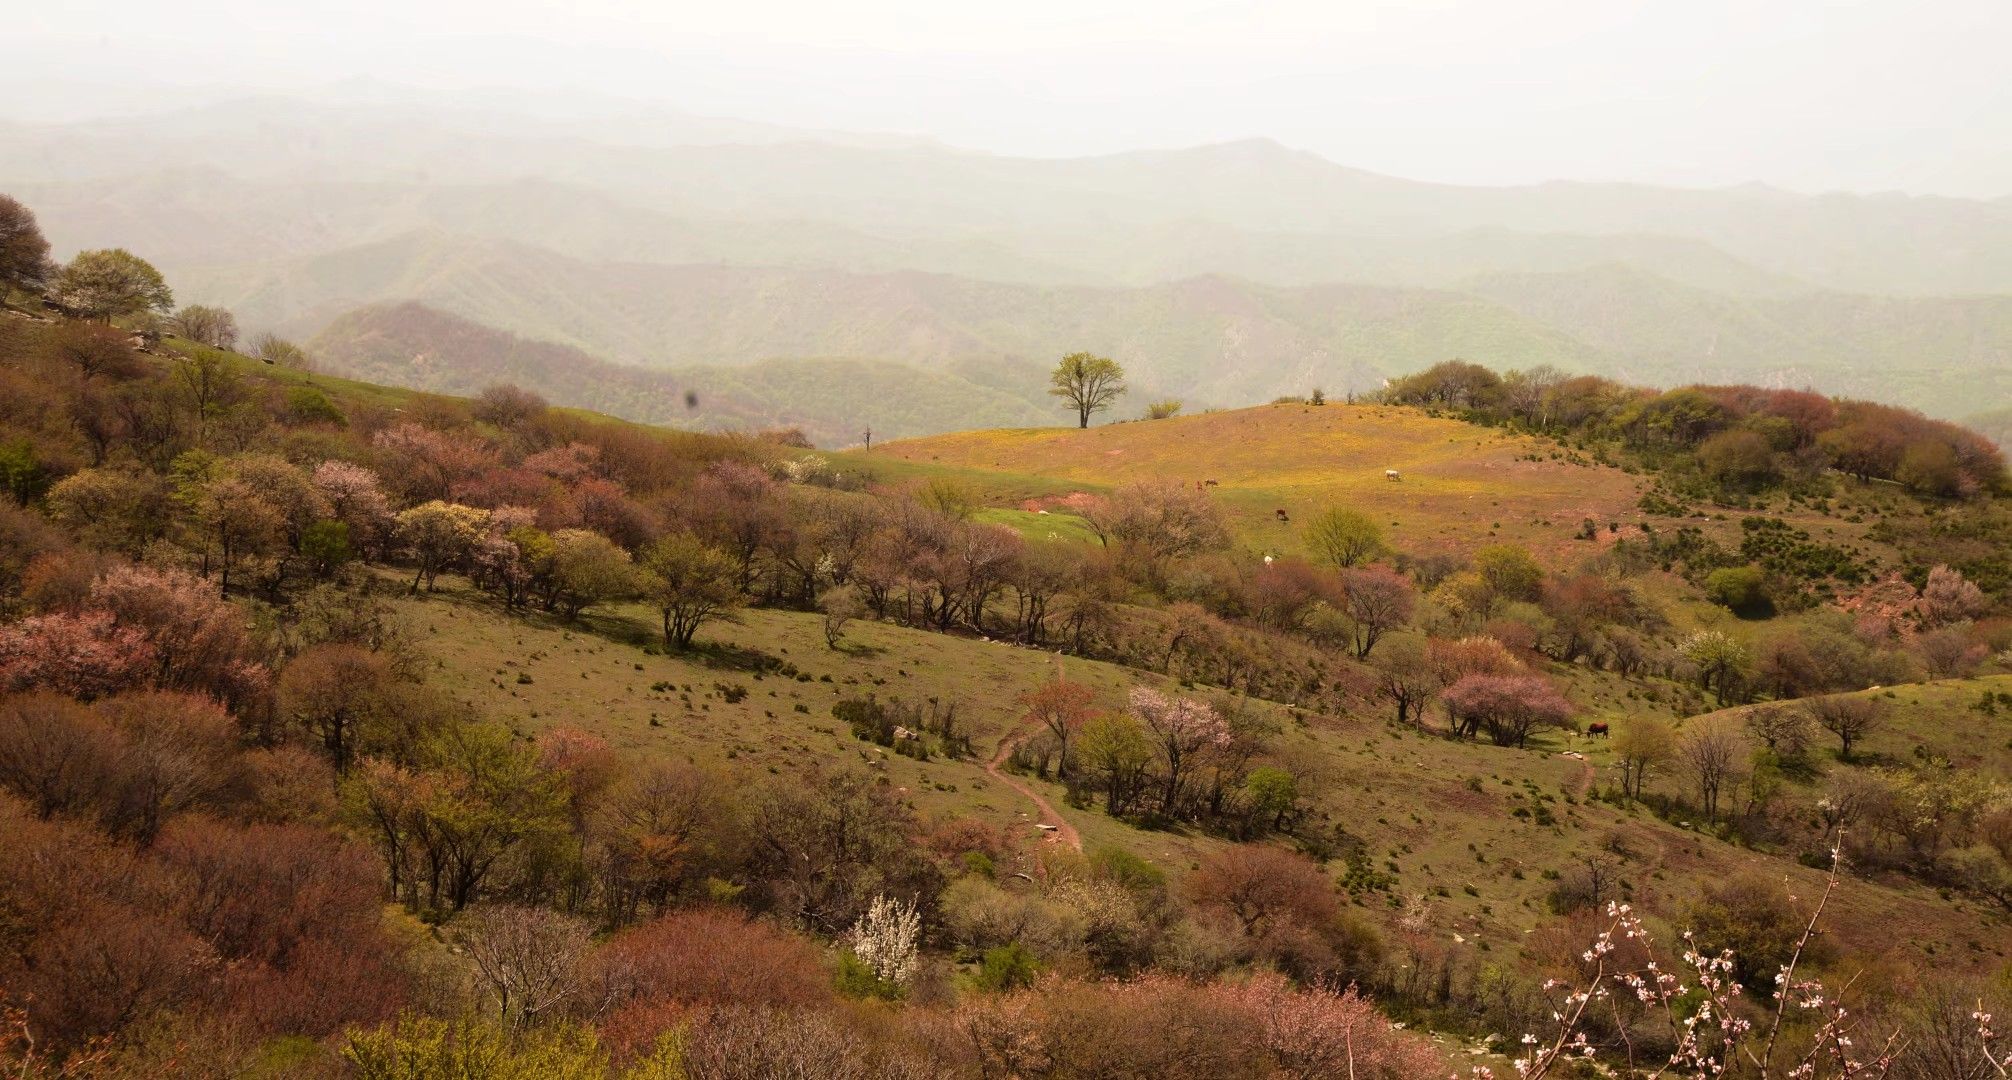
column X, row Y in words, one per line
column 1089, row 383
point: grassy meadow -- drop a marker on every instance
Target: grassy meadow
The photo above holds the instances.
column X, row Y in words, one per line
column 1456, row 842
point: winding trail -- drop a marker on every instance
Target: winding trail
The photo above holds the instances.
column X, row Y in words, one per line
column 1062, row 828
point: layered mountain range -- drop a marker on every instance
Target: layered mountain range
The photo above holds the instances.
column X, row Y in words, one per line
column 618, row 258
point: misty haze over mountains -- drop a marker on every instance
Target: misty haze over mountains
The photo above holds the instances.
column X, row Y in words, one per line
column 696, row 249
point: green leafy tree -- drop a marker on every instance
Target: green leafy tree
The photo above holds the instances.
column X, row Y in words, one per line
column 1509, row 571
column 1011, row 966
column 1089, row 383
column 1741, row 588
column 490, row 799
column 110, row 283
column 438, row 534
column 589, row 569
column 1930, row 468
column 691, row 583
column 1739, row 460
column 21, row 475
column 1643, row 746
column 326, row 547
column 1273, row 794
column 1115, row 750
column 1344, row 537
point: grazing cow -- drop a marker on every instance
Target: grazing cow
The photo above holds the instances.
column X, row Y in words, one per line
column 1392, row 474
column 1210, row 483
column 1597, row 728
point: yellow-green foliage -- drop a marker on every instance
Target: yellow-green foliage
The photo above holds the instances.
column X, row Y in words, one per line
column 424, row 1048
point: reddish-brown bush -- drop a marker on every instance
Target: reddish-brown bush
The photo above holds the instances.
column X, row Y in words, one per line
column 709, row 956
column 57, row 755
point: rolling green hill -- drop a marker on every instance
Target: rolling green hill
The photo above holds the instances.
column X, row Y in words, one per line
column 833, row 401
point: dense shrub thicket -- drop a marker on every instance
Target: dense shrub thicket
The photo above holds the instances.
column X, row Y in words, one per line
column 241, row 834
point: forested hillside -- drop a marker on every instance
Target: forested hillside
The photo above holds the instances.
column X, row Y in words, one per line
column 352, row 731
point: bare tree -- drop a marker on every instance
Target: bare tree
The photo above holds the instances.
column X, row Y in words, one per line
column 527, row 957
column 212, row 326
column 1786, row 731
column 1848, row 718
column 508, row 407
column 1711, row 751
column 839, row 605
column 1156, row 523
column 1407, row 676
column 276, row 350
column 1377, row 601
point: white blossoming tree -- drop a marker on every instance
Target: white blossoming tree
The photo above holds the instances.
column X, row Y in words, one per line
column 887, row 938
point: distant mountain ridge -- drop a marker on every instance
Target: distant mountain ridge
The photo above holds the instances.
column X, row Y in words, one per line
column 1211, row 340
column 1222, row 274
column 906, row 190
column 833, row 401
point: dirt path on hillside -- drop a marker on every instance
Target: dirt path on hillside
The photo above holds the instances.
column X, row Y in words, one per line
column 1062, row 829
column 1587, row 774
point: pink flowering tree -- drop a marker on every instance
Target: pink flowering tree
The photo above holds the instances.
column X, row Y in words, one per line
column 200, row 641
column 357, row 499
column 85, row 655
column 1510, row 707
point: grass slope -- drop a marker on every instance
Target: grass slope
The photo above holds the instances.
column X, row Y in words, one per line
column 1461, row 484
column 1459, row 835
column 1941, row 720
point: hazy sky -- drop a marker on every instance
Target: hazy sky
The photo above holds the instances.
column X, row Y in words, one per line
column 1906, row 95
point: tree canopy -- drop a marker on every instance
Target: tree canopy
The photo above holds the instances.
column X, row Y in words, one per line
column 1089, row 383
column 24, row 253
column 112, row 282
column 1344, row 537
